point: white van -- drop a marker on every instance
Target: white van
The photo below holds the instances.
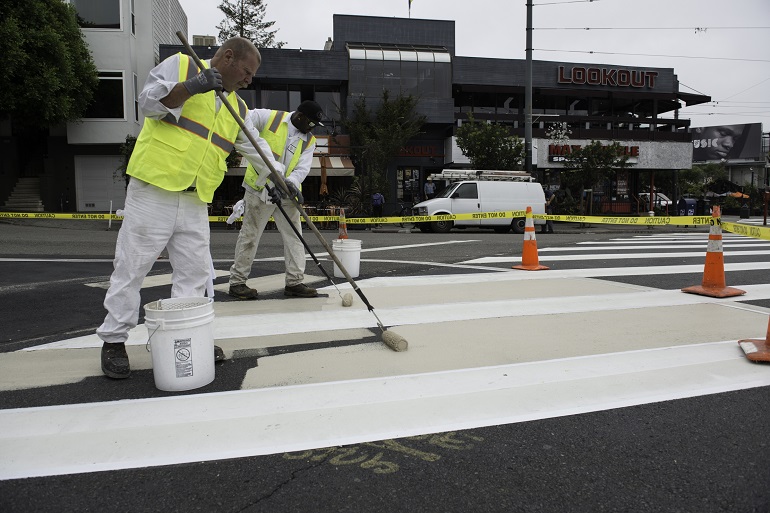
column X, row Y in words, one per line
column 472, row 196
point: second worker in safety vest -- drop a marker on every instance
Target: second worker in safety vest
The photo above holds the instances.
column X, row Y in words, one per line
column 292, row 144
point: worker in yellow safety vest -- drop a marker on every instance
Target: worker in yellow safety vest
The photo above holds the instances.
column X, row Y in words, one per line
column 177, row 164
column 292, row 144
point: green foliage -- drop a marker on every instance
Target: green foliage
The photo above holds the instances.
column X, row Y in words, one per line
column 126, row 149
column 591, row 165
column 244, row 18
column 490, row 146
column 49, row 76
column 377, row 136
column 696, row 181
column 351, row 199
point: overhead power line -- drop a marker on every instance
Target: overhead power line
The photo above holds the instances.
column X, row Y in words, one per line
column 653, row 55
column 696, row 29
column 564, row 2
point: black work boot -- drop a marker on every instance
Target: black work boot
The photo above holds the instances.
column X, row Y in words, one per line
column 242, row 291
column 115, row 361
column 300, row 290
column 219, row 355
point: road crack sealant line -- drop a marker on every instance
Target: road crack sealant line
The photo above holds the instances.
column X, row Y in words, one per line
column 758, row 232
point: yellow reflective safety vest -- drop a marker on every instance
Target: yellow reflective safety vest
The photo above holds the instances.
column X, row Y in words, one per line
column 275, row 133
column 173, row 154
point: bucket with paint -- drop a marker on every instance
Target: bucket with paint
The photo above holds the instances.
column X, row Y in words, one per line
column 349, row 253
column 181, row 339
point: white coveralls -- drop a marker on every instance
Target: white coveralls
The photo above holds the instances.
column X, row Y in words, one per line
column 155, row 219
column 258, row 208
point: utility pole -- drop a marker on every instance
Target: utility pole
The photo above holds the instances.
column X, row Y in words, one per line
column 528, row 95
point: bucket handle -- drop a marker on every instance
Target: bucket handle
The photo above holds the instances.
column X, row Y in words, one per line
column 147, row 344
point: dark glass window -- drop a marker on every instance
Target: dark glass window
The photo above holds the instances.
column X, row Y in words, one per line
column 98, row 13
column 467, row 191
column 108, row 100
column 329, row 101
column 425, row 71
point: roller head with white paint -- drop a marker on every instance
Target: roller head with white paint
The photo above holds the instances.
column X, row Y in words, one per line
column 394, row 341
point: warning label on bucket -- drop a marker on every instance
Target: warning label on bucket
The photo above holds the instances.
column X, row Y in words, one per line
column 183, row 357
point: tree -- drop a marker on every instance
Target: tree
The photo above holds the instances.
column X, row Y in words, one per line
column 377, row 136
column 696, row 181
column 490, row 145
column 592, row 165
column 49, row 75
column 244, row 18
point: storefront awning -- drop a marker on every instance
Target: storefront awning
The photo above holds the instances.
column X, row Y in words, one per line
column 335, row 166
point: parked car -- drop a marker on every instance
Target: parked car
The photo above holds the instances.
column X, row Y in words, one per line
column 660, row 201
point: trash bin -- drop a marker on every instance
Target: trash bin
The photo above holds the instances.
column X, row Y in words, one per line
column 686, row 206
column 745, row 211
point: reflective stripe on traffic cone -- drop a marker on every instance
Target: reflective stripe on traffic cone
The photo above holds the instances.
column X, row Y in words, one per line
column 757, row 350
column 529, row 260
column 713, row 283
column 343, row 225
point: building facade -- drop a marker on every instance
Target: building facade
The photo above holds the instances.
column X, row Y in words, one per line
column 76, row 166
column 633, row 106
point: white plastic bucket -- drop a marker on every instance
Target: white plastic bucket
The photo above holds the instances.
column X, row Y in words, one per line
column 181, row 339
column 349, row 253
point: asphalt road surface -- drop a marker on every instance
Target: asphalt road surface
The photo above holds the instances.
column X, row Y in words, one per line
column 593, row 386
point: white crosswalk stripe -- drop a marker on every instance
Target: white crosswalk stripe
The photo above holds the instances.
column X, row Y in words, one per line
column 485, row 348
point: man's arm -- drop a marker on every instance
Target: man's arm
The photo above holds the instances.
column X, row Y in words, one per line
column 302, row 169
column 163, row 93
column 255, row 120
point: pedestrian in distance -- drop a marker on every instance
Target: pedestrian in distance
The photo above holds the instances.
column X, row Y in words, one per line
column 290, row 139
column 550, row 197
column 177, row 164
column 378, row 200
column 429, row 188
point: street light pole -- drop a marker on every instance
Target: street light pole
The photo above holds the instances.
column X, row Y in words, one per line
column 528, row 95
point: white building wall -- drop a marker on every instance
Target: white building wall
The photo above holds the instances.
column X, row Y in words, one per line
column 156, row 22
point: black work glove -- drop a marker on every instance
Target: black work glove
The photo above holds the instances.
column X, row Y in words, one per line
column 207, row 80
column 275, row 195
column 295, row 192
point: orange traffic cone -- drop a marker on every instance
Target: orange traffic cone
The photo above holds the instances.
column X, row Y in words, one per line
column 343, row 225
column 713, row 284
column 529, row 260
column 757, row 350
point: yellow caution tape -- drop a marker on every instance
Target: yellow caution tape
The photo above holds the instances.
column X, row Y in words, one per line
column 757, row 232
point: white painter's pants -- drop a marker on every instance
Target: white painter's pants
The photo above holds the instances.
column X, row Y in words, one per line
column 155, row 219
column 255, row 217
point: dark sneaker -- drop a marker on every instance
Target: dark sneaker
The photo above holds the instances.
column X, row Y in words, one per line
column 242, row 291
column 300, row 290
column 115, row 361
column 219, row 355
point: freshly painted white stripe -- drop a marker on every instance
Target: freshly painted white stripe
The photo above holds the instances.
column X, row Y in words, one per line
column 117, row 435
column 507, row 274
column 154, row 280
column 627, row 246
column 65, row 260
column 267, row 324
column 688, row 243
column 364, row 250
column 616, row 256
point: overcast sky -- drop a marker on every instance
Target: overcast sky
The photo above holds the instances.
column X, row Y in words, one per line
column 731, row 65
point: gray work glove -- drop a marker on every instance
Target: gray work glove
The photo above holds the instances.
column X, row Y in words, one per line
column 275, row 195
column 207, row 80
column 295, row 192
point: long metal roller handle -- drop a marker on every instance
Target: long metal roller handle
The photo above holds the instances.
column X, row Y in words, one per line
column 276, row 176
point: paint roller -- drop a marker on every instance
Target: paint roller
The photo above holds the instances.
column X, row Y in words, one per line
column 390, row 338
